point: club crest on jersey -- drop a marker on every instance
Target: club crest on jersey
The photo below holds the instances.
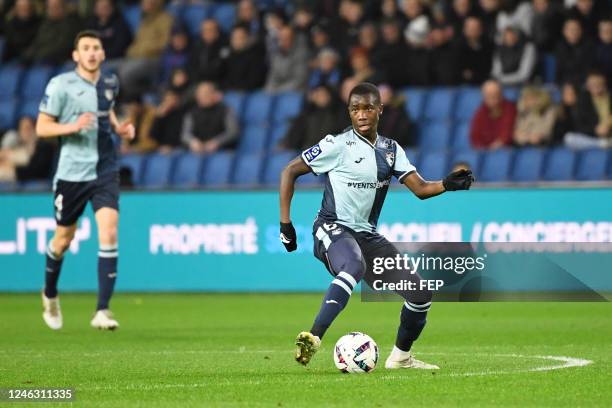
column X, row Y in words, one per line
column 390, row 157
column 312, row 153
column 108, row 93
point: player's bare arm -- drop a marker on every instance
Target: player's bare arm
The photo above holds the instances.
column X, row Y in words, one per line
column 423, row 189
column 294, row 169
column 125, row 130
column 47, row 125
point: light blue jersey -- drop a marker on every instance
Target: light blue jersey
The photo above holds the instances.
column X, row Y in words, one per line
column 358, row 176
column 91, row 152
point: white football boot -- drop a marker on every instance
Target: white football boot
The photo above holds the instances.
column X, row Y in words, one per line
column 307, row 345
column 405, row 359
column 103, row 320
column 52, row 313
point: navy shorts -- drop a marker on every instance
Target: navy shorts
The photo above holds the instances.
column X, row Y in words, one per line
column 71, row 197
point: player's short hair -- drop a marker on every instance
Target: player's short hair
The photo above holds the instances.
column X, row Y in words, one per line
column 365, row 88
column 86, row 34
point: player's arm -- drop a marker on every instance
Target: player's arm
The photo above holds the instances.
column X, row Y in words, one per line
column 457, row 180
column 47, row 125
column 125, row 130
column 294, row 169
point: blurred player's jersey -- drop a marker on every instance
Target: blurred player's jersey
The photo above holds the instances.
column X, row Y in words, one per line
column 358, row 176
column 90, row 153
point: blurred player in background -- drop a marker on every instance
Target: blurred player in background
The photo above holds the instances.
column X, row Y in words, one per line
column 359, row 165
column 78, row 108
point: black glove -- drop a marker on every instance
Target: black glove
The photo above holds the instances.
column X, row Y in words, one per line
column 288, row 237
column 458, row 180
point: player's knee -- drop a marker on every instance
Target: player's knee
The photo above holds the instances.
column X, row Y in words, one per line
column 60, row 244
column 108, row 235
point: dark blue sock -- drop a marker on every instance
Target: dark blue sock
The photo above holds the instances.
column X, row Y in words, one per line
column 52, row 271
column 336, row 298
column 412, row 321
column 107, row 274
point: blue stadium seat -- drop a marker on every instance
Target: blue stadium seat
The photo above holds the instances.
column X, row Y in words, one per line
column 10, row 78
column 218, row 169
column 469, row 156
column 495, row 165
column 135, row 163
column 527, row 166
column 257, row 109
column 559, row 164
column 35, row 81
column 275, row 164
column 132, row 16
column 287, row 106
column 253, row 139
column 549, row 68
column 412, row 155
column 609, row 164
column 309, row 179
column 8, row 110
column 461, row 137
column 158, row 170
column 67, row 67
column 2, row 42
column 247, row 169
column 433, row 165
column 187, row 170
column 176, row 9
column 434, row 136
column 193, row 16
column 592, row 165
column 512, row 94
column 225, row 14
column 235, row 100
column 29, row 108
column 415, row 102
column 439, row 104
column 278, row 133
column 468, row 101
column 35, row 185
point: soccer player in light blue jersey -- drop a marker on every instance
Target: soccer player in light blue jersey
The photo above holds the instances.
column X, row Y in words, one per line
column 359, row 164
column 78, row 109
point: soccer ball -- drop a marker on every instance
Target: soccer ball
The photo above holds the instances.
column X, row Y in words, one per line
column 356, row 353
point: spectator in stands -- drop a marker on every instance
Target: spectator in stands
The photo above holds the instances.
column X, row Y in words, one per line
column 274, row 21
column 575, row 54
column 368, row 40
column 474, row 53
column 393, row 54
column 458, row 13
column 589, row 14
column 546, row 24
column 536, row 118
column 389, row 10
column 244, row 68
column 442, row 57
column 416, row 33
column 23, row 156
column 394, row 121
column 206, row 62
column 302, row 23
column 603, row 51
column 345, row 31
column 516, row 14
column 566, row 113
column 176, row 54
column 53, row 43
column 166, row 129
column 288, row 65
column 139, row 71
column 361, row 68
column 514, row 59
column 321, row 115
column 326, row 71
column 319, row 37
column 489, row 11
column 210, row 125
column 112, row 27
column 247, row 15
column 20, row 29
column 593, row 115
column 493, row 123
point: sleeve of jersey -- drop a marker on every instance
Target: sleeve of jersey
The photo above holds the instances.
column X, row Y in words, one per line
column 322, row 157
column 402, row 166
column 53, row 99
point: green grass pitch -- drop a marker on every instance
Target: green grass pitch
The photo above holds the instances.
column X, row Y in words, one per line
column 236, row 350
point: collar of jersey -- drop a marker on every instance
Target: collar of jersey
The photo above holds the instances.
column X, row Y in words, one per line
column 366, row 140
column 87, row 81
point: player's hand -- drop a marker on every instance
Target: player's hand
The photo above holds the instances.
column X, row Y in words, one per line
column 126, row 131
column 85, row 121
column 458, row 180
column 288, row 237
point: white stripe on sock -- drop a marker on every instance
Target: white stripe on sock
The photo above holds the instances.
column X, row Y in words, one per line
column 348, row 278
column 108, row 254
column 408, row 306
column 342, row 285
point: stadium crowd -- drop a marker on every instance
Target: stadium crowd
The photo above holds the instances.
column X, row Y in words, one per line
column 175, row 66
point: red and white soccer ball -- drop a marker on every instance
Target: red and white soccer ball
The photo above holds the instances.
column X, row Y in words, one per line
column 356, row 353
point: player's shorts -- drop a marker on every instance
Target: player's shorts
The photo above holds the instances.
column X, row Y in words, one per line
column 372, row 246
column 71, row 197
